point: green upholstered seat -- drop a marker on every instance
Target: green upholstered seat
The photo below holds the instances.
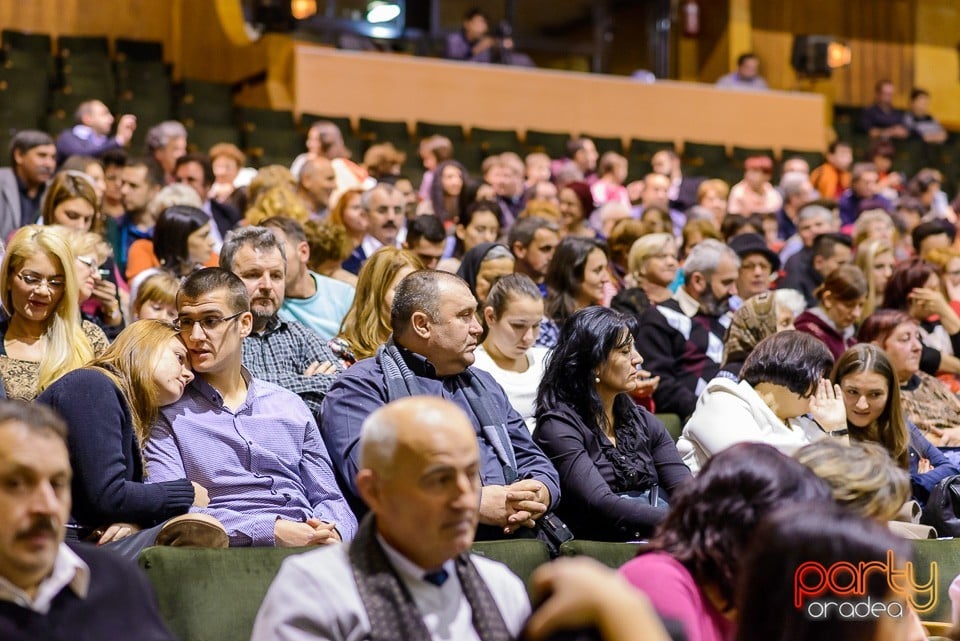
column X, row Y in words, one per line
column 212, row 595
column 946, row 554
column 610, row 554
column 523, row 556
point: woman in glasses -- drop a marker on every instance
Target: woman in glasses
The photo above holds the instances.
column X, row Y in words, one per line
column 90, row 251
column 43, row 336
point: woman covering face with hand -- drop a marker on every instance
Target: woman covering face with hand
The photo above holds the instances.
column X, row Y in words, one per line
column 781, row 382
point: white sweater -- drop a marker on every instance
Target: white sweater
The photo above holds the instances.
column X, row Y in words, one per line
column 521, row 388
column 728, row 413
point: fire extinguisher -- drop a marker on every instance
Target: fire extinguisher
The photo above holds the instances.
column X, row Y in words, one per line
column 691, row 18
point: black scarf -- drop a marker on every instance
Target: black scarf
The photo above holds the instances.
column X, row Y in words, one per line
column 392, row 612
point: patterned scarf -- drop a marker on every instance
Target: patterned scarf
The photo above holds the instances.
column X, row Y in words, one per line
column 402, row 382
column 392, row 611
column 753, row 322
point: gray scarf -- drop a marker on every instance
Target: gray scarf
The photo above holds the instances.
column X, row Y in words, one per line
column 392, row 611
column 402, row 382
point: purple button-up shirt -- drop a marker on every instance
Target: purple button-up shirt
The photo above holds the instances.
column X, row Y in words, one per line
column 264, row 461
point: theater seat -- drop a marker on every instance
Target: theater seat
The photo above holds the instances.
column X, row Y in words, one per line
column 214, row 595
column 552, row 143
column 207, row 594
column 611, row 554
column 495, row 141
column 453, row 132
column 946, row 554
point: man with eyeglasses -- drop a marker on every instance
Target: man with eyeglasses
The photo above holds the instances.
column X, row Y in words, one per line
column 254, row 445
column 384, row 205
column 285, row 352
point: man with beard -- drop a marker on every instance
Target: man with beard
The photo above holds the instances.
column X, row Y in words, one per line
column 49, row 588
column 22, row 185
column 252, row 444
column 286, row 353
column 385, row 207
column 682, row 338
column 533, row 241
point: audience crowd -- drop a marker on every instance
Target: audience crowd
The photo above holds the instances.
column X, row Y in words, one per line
column 332, row 354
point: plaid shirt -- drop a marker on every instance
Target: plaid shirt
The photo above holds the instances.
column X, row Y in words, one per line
column 283, row 352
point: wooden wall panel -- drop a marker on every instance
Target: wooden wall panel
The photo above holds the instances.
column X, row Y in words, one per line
column 214, row 45
column 389, row 87
column 880, row 33
column 138, row 19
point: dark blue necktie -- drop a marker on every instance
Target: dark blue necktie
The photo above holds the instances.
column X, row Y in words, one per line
column 437, row 577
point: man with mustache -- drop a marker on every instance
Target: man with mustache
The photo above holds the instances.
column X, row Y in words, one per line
column 49, row 588
column 682, row 339
column 33, row 159
column 435, row 331
column 408, row 574
column 284, row 352
column 384, row 205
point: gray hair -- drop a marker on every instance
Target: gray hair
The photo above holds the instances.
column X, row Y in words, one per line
column 791, row 299
column 497, row 251
column 159, row 135
column 813, row 211
column 706, row 257
column 793, row 183
column 259, row 238
column 26, row 139
column 699, row 212
column 365, row 198
column 172, row 195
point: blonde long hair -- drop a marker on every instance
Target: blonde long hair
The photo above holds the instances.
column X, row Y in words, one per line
column 67, row 346
column 130, row 362
column 367, row 324
column 865, row 259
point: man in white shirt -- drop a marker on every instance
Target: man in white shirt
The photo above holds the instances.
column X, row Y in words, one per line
column 407, row 574
column 47, row 588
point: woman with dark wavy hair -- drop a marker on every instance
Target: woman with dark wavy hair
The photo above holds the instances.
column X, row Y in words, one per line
column 691, row 571
column 617, row 464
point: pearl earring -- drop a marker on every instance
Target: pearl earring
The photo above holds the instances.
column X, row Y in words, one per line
column 596, row 379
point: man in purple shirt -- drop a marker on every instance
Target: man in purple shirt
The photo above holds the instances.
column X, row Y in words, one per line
column 252, row 444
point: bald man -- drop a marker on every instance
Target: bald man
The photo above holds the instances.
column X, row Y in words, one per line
column 408, row 573
column 317, row 181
